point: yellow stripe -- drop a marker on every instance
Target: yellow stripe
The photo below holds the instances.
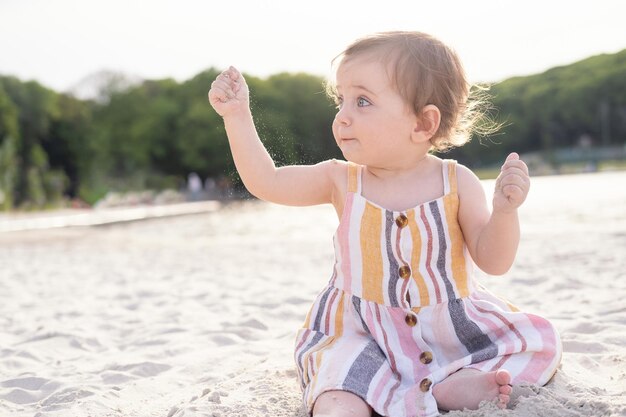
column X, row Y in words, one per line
column 307, row 321
column 415, row 259
column 459, row 273
column 319, row 352
column 512, row 307
column 452, row 176
column 352, row 178
column 371, row 227
column 339, row 316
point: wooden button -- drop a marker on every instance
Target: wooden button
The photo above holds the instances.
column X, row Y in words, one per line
column 401, row 221
column 426, row 358
column 410, row 320
column 405, row 272
column 425, row 384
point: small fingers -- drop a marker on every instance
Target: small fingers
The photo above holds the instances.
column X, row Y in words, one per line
column 217, row 94
column 228, row 82
column 221, row 90
column 232, row 75
column 512, row 156
column 513, row 192
column 517, row 181
column 513, row 176
column 513, row 161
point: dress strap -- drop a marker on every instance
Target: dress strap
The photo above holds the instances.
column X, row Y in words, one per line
column 449, row 176
column 354, row 178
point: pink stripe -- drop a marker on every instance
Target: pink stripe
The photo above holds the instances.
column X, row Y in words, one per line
column 409, row 348
column 343, row 234
column 410, row 405
column 510, row 325
column 500, row 362
column 497, row 330
column 392, row 393
column 382, row 382
column 429, row 253
column 392, row 358
column 311, row 371
column 539, row 362
column 371, row 325
column 302, row 340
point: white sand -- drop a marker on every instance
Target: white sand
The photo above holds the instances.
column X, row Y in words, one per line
column 196, row 315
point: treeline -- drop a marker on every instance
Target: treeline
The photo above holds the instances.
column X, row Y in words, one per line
column 149, row 136
column 582, row 104
column 153, row 134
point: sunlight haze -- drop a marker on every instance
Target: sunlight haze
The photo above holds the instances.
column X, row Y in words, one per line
column 59, row 43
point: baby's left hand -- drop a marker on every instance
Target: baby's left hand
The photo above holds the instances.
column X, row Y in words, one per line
column 512, row 184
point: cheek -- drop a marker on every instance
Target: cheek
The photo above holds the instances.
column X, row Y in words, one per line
column 335, row 127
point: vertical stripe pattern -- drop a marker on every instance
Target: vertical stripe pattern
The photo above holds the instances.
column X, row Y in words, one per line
column 402, row 290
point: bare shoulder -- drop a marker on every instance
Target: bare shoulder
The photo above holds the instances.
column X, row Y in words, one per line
column 473, row 209
column 337, row 168
column 469, row 185
column 337, row 171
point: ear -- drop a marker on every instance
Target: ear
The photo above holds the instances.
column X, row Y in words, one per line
column 426, row 123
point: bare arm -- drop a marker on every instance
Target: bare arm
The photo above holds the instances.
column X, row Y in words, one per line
column 290, row 185
column 492, row 238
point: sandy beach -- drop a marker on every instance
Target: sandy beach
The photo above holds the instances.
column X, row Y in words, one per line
column 195, row 315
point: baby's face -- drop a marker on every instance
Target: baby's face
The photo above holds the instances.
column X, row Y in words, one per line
column 373, row 124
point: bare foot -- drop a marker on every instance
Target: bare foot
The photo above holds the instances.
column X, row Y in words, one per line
column 467, row 388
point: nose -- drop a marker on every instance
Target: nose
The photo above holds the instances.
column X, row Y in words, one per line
column 343, row 116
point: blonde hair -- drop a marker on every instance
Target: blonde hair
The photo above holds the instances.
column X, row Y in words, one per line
column 426, row 71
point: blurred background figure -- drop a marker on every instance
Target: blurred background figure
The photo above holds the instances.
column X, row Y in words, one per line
column 194, row 187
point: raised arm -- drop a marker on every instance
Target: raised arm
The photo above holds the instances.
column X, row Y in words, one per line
column 492, row 237
column 290, row 185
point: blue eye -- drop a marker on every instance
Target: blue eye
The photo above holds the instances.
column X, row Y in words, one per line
column 363, row 102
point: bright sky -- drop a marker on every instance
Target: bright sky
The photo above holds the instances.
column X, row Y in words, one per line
column 59, row 42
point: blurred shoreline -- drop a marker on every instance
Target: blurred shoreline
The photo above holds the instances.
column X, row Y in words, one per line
column 84, row 217
column 143, row 205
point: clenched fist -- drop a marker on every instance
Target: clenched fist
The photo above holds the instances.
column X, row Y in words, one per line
column 229, row 93
column 512, row 184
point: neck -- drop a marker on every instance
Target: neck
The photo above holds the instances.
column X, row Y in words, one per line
column 414, row 167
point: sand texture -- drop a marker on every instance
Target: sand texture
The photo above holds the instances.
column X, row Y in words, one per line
column 196, row 315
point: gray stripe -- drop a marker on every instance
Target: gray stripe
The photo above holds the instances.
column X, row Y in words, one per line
column 356, row 302
column 443, row 247
column 318, row 336
column 320, row 310
column 363, row 369
column 475, row 341
column 393, row 263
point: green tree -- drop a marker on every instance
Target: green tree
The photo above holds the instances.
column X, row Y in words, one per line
column 37, row 106
column 8, row 150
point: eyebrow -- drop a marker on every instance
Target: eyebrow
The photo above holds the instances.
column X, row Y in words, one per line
column 359, row 86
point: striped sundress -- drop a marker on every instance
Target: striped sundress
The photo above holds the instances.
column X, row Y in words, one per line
column 402, row 311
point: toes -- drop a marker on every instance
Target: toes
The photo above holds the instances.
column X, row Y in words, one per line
column 503, row 377
column 506, row 389
column 503, row 400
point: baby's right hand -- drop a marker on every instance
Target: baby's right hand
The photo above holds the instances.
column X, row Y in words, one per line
column 229, row 93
